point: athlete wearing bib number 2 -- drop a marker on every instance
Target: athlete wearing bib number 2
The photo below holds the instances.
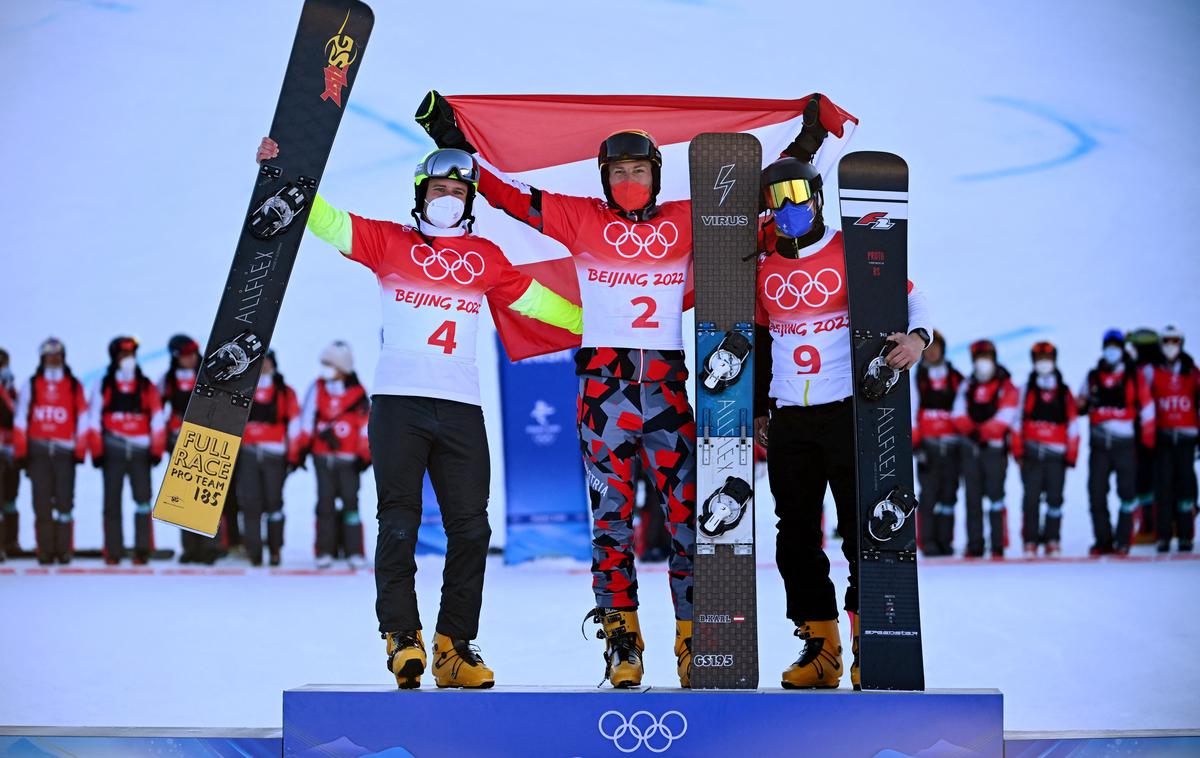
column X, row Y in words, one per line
column 425, row 413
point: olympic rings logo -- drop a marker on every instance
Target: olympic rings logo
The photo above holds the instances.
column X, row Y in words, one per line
column 814, row 291
column 642, row 730
column 463, row 268
column 632, row 241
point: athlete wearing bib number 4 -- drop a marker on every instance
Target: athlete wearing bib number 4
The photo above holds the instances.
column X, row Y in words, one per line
column 425, row 413
column 804, row 378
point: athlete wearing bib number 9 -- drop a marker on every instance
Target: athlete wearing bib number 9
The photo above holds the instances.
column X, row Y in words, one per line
column 425, row 412
column 804, row 378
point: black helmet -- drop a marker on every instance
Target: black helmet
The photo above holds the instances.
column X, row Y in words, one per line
column 630, row 145
column 181, row 344
column 121, row 344
column 789, row 179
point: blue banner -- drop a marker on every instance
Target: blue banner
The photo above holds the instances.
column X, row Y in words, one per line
column 547, row 510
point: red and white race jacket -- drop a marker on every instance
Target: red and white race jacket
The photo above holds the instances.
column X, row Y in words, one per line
column 632, row 275
column 176, row 389
column 127, row 406
column 431, row 289
column 802, row 301
column 334, row 418
column 1114, row 397
column 274, row 422
column 987, row 411
column 51, row 408
column 1175, row 388
column 1049, row 417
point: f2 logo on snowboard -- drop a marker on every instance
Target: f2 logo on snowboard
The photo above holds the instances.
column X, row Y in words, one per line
column 876, row 220
column 340, row 53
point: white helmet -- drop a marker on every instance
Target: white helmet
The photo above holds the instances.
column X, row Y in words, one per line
column 338, row 355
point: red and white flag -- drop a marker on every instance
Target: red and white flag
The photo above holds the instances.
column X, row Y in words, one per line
column 551, row 141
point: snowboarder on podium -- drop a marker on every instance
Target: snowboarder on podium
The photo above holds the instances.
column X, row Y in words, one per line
column 426, row 414
column 805, row 384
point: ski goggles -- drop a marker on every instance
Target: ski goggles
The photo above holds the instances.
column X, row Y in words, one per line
column 632, row 145
column 448, row 163
column 797, row 190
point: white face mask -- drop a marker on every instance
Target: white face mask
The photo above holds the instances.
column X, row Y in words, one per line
column 127, row 364
column 1171, row 350
column 1112, row 355
column 1044, row 367
column 984, row 368
column 328, row 373
column 445, row 211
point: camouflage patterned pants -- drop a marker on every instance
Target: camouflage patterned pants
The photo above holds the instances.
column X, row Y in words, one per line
column 618, row 420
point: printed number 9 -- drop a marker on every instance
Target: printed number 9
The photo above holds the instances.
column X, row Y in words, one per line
column 808, row 359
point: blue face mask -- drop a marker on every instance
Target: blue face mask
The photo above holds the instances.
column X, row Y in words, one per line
column 794, row 220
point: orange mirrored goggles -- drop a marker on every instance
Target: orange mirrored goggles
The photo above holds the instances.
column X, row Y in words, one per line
column 797, row 190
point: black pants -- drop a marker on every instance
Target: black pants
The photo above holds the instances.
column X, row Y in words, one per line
column 811, row 448
column 938, row 474
column 260, row 491
column 410, row 435
column 984, row 468
column 10, row 519
column 1146, row 485
column 196, row 547
column 121, row 460
column 1175, row 488
column 1107, row 455
column 337, row 479
column 52, row 477
column 1043, row 473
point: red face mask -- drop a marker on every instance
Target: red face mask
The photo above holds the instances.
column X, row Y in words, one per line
column 631, row 196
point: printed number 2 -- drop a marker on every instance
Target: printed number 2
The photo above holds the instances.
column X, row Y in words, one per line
column 443, row 337
column 808, row 359
column 643, row 321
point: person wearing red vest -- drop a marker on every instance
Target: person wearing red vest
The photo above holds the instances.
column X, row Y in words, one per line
column 10, row 474
column 333, row 427
column 985, row 412
column 1116, row 403
column 1146, row 347
column 50, row 441
column 127, row 436
column 176, row 388
column 1175, row 387
column 1045, row 446
column 269, row 450
column 937, row 444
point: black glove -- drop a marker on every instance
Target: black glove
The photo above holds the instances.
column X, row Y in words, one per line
column 922, row 458
column 155, row 460
column 98, row 461
column 812, row 135
column 362, row 464
column 436, row 117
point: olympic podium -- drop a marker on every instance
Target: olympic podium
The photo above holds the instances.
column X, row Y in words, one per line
column 356, row 722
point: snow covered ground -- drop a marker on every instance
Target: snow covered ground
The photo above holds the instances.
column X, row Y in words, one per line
column 1093, row 645
column 1053, row 196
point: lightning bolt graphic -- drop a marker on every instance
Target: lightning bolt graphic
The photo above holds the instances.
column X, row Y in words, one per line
column 724, row 183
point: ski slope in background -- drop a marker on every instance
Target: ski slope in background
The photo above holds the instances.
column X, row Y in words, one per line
column 1052, row 171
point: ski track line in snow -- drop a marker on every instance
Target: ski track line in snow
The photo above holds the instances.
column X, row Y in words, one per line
column 1084, row 142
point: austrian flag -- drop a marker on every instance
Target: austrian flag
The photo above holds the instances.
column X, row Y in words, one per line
column 551, row 141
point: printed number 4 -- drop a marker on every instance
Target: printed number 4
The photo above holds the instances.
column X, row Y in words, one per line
column 808, row 360
column 643, row 321
column 443, row 337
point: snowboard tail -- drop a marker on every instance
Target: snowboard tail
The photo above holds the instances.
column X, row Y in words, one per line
column 725, row 184
column 873, row 189
column 326, row 54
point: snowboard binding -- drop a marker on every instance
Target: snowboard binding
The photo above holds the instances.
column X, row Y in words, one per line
column 723, row 510
column 723, row 366
column 276, row 213
column 890, row 515
column 233, row 358
column 881, row 378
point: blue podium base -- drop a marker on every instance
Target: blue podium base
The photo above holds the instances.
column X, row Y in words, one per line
column 357, row 722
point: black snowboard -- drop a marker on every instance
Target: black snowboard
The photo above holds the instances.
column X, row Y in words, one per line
column 725, row 172
column 325, row 58
column 874, row 205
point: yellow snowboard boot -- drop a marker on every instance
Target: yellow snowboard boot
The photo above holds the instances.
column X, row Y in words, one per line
column 456, row 663
column 406, row 658
column 854, row 649
column 623, row 645
column 820, row 663
column 683, row 651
